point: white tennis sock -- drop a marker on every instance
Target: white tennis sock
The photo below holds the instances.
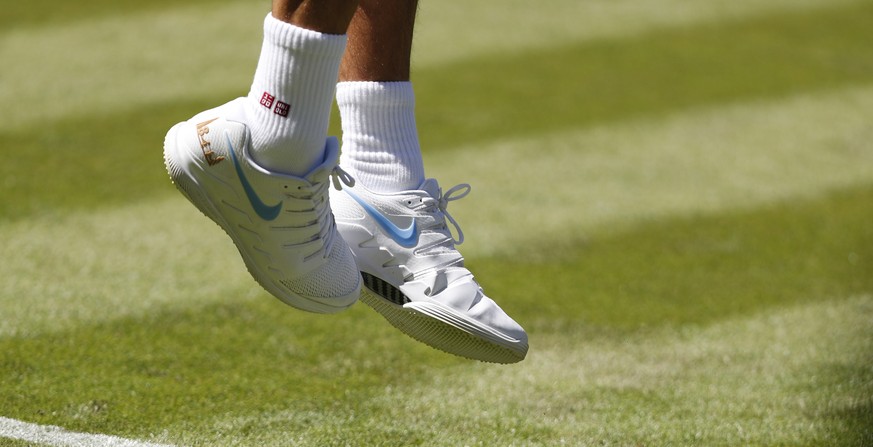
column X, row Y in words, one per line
column 380, row 140
column 288, row 107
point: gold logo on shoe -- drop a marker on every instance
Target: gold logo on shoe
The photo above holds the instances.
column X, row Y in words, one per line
column 208, row 154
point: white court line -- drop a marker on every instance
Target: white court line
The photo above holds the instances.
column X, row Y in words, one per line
column 58, row 436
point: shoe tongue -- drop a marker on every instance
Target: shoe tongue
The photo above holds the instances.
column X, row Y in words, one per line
column 432, row 187
column 321, row 172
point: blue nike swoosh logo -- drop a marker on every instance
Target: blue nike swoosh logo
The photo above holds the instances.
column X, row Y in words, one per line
column 265, row 211
column 406, row 237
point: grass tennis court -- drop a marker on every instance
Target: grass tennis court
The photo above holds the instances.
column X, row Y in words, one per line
column 675, row 198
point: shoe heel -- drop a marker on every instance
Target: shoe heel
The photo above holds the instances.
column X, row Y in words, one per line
column 177, row 174
column 180, row 178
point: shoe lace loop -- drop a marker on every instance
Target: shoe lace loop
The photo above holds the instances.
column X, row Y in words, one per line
column 339, row 175
column 454, row 193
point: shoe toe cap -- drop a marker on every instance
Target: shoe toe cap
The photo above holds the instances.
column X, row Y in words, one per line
column 487, row 311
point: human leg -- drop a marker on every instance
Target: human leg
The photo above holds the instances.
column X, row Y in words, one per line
column 376, row 100
column 380, row 41
column 259, row 166
column 289, row 101
column 395, row 221
column 325, row 16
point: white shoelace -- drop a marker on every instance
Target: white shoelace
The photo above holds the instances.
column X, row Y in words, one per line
column 318, row 191
column 456, row 192
column 441, row 204
column 439, row 207
column 339, row 175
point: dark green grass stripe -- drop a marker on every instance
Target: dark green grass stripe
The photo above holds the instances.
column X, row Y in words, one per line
column 33, row 13
column 694, row 270
column 584, row 83
column 137, row 376
column 102, row 159
column 98, row 161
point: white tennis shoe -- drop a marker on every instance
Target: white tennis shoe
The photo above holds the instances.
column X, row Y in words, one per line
column 282, row 225
column 416, row 278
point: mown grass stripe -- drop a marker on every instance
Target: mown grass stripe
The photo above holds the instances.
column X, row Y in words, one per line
column 580, row 84
column 567, row 83
column 119, row 65
column 568, row 185
column 692, row 270
column 480, row 26
column 484, row 28
column 49, row 13
column 778, row 378
column 789, row 375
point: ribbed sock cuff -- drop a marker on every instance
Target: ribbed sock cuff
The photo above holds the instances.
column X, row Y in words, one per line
column 380, row 138
column 288, row 107
column 292, row 37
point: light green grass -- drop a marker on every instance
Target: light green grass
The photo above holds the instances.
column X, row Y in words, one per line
column 673, row 197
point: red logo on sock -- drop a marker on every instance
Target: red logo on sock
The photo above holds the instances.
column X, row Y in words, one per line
column 281, row 108
column 267, row 100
